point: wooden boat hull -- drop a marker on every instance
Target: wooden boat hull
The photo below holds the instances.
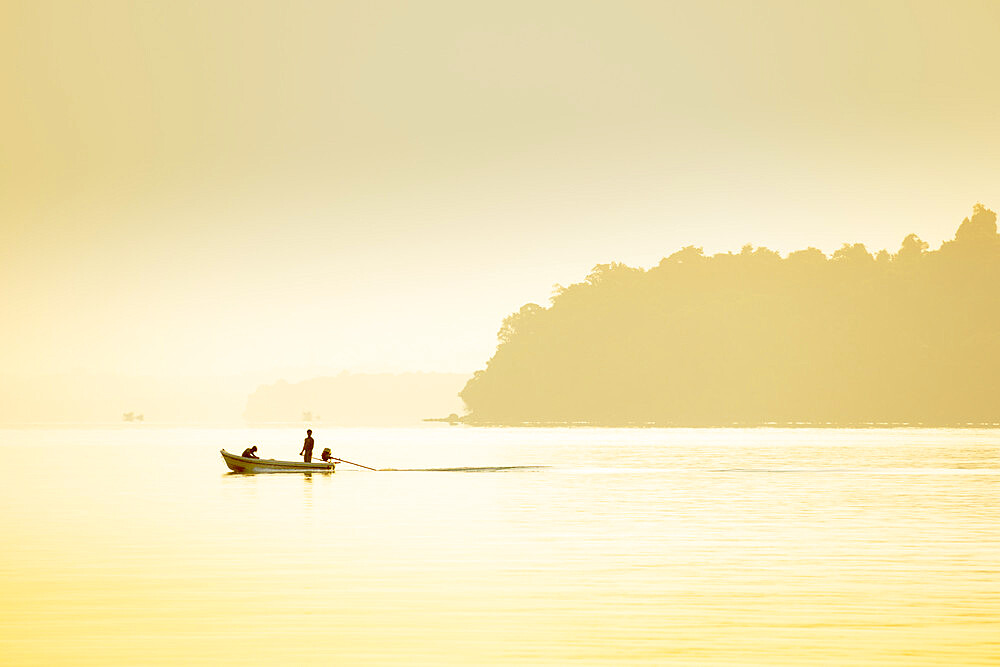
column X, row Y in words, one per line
column 243, row 464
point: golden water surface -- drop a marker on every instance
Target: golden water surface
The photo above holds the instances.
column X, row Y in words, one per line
column 128, row 546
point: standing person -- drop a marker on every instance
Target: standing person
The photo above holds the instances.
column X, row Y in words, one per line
column 307, row 447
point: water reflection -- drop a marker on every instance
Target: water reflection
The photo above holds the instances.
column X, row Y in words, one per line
column 307, row 489
column 566, row 545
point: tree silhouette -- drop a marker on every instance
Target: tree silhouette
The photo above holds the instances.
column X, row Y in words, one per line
column 754, row 338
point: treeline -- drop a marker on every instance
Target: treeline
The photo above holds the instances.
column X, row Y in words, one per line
column 756, row 338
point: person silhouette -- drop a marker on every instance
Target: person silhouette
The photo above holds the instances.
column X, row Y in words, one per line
column 307, row 447
column 251, row 452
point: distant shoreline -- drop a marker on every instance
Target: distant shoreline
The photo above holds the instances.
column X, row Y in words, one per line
column 711, row 425
column 483, row 424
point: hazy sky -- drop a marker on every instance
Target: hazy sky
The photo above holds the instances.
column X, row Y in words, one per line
column 241, row 187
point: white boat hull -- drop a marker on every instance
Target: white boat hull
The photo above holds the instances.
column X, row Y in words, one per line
column 243, row 464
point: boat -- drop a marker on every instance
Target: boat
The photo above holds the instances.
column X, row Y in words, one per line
column 245, row 464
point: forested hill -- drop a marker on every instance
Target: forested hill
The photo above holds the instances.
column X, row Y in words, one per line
column 755, row 338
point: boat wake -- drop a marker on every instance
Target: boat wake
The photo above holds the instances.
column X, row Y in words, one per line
column 471, row 469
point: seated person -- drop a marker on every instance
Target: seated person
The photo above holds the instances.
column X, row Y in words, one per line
column 251, row 452
column 326, row 455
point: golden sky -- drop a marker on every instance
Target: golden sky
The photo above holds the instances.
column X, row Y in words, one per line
column 232, row 187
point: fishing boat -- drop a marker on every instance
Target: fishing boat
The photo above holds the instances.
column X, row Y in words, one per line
column 246, row 464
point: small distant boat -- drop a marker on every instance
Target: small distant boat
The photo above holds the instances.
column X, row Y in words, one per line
column 245, row 464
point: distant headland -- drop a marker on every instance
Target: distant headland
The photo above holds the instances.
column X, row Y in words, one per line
column 355, row 399
column 754, row 338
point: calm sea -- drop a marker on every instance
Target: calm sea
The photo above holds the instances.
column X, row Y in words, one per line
column 134, row 546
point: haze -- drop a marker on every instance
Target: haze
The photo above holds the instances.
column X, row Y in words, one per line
column 259, row 189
